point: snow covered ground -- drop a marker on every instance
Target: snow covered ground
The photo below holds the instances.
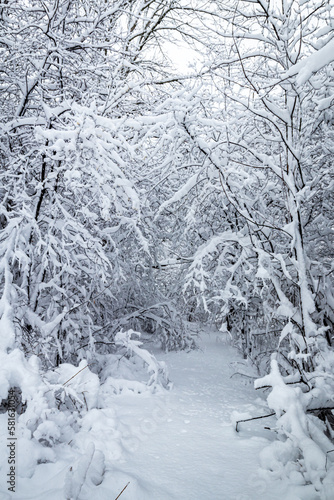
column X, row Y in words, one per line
column 195, row 452
column 177, row 444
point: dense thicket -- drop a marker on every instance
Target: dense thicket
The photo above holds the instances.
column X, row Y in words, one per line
column 76, row 258
column 260, row 139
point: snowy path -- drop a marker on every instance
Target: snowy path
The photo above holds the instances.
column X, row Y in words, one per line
column 189, row 449
column 178, row 445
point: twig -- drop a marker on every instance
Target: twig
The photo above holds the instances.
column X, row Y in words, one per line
column 244, row 375
column 95, row 342
column 286, row 383
column 83, row 394
column 253, row 418
column 122, row 490
column 76, row 374
column 308, row 410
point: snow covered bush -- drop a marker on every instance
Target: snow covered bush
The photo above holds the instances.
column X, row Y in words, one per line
column 71, row 405
column 135, row 364
column 303, row 452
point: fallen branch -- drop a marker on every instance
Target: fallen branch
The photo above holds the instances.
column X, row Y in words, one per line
column 253, row 418
column 286, row 383
column 308, row 410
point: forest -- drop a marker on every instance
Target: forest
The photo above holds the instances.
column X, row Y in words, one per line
column 146, row 194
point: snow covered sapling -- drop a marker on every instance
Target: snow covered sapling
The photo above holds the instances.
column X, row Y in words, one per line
column 157, row 370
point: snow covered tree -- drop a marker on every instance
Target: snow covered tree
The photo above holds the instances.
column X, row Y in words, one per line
column 75, row 77
column 259, row 131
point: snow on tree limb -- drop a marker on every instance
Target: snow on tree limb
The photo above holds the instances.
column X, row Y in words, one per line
column 305, row 68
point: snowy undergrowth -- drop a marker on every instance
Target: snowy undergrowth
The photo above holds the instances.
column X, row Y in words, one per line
column 303, row 453
column 70, row 412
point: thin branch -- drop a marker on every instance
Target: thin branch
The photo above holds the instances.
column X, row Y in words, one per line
column 76, row 374
column 253, row 418
column 309, row 410
column 122, row 490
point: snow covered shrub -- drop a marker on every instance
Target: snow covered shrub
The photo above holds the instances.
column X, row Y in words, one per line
column 171, row 330
column 303, row 454
column 74, row 386
column 160, row 322
column 128, row 369
column 69, row 404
